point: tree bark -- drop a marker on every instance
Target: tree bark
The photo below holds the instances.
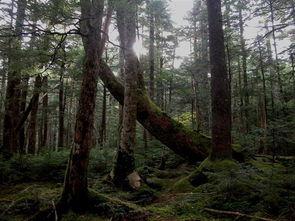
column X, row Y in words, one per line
column 13, row 93
column 263, row 104
column 277, row 68
column 103, row 123
column 24, row 92
column 44, row 141
column 244, row 68
column 151, row 51
column 220, row 88
column 185, row 142
column 75, row 192
column 125, row 163
column 61, row 114
column 33, row 119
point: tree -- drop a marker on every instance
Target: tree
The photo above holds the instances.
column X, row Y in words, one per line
column 62, row 103
column 125, row 163
column 32, row 128
column 245, row 90
column 44, row 121
column 75, row 192
column 151, row 49
column 220, row 88
column 13, row 91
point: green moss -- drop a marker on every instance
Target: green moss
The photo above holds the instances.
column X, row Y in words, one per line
column 218, row 165
column 151, row 104
column 183, row 185
column 113, row 201
column 85, row 217
column 237, row 147
column 164, row 174
column 266, row 166
column 162, row 211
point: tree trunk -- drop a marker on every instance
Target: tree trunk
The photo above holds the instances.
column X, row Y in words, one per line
column 183, row 141
column 220, row 88
column 103, row 123
column 61, row 114
column 151, row 51
column 293, row 71
column 195, row 100
column 3, row 85
column 244, row 68
column 121, row 79
column 279, row 78
column 263, row 104
column 24, row 92
column 75, row 192
column 44, row 141
column 33, row 119
column 160, row 85
column 274, row 112
column 13, row 93
column 125, row 163
column 241, row 103
column 69, row 116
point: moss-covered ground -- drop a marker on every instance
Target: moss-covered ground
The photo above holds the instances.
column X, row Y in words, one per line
column 259, row 188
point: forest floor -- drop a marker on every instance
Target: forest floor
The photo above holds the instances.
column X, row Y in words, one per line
column 259, row 188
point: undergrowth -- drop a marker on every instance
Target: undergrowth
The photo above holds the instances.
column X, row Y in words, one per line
column 180, row 191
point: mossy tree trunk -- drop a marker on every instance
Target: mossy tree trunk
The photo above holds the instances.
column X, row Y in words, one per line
column 75, row 193
column 125, row 163
column 220, row 88
column 187, row 143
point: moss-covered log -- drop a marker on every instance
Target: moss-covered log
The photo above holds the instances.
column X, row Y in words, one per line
column 183, row 141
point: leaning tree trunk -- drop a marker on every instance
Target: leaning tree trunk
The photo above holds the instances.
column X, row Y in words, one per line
column 75, row 193
column 183, row 141
column 187, row 143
